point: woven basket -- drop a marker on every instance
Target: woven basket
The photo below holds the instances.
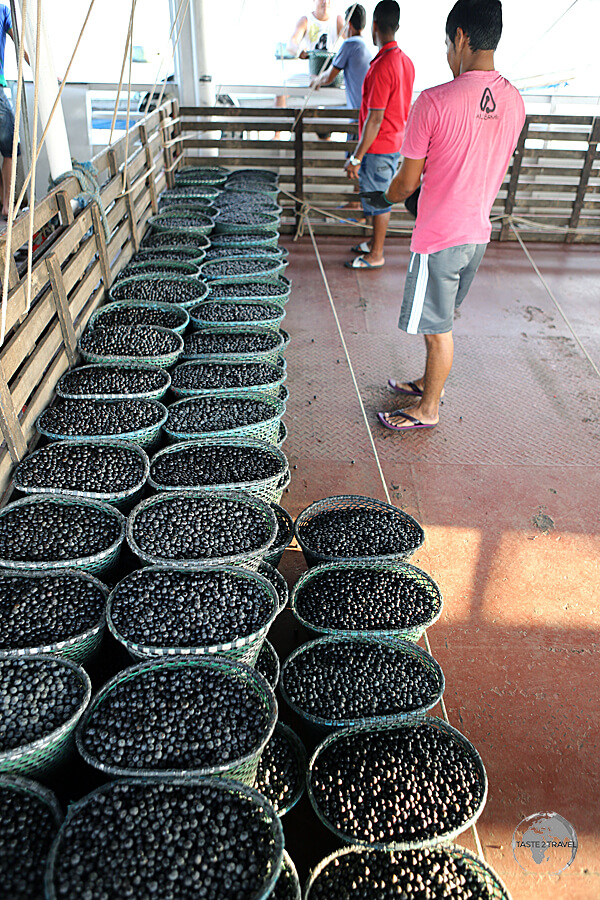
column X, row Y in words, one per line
column 320, row 726
column 281, row 434
column 94, row 563
column 118, row 499
column 270, row 356
column 78, row 648
column 143, row 437
column 495, row 887
column 244, row 649
column 255, row 187
column 428, row 721
column 409, row 571
column 354, row 502
column 297, row 750
column 249, row 559
column 183, row 252
column 250, row 174
column 277, row 292
column 288, row 883
column 266, row 430
column 163, row 376
column 242, row 769
column 263, row 488
column 161, row 267
column 207, row 175
column 270, row 271
column 245, row 240
column 275, row 315
column 278, row 582
column 195, row 223
column 163, row 361
column 77, row 812
column 47, row 798
column 139, row 307
column 203, row 205
column 267, row 663
column 270, row 223
column 270, row 387
column 285, row 529
column 41, row 757
column 131, row 289
column 227, row 252
column 192, row 191
column 175, row 237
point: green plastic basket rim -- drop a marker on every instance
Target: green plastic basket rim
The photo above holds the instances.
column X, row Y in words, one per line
column 213, row 191
column 21, row 785
column 417, row 722
column 242, row 241
column 183, row 179
column 183, row 215
column 105, row 497
column 406, row 648
column 272, row 299
column 454, row 850
column 261, row 387
column 269, row 649
column 68, row 643
column 123, row 435
column 163, row 652
column 250, row 442
column 11, row 756
column 171, row 267
column 143, row 395
column 224, row 784
column 242, row 356
column 268, row 399
column 239, row 558
column 274, row 320
column 81, row 562
column 289, row 866
column 277, row 267
column 195, row 253
column 282, row 586
column 90, row 356
column 230, row 666
column 192, row 280
column 282, row 436
column 184, row 316
column 348, row 501
column 369, row 565
column 283, row 514
column 301, row 758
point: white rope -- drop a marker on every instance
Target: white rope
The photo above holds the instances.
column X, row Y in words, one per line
column 13, row 181
column 550, row 293
column 38, row 150
column 124, row 187
column 474, row 830
column 36, row 93
column 128, row 40
column 170, row 44
column 173, row 46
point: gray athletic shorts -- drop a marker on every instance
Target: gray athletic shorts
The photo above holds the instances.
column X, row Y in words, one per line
column 436, row 284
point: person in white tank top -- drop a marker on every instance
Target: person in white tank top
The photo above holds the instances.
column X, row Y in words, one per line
column 318, row 30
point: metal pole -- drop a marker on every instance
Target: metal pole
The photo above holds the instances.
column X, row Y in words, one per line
column 57, row 142
column 205, row 89
column 26, row 148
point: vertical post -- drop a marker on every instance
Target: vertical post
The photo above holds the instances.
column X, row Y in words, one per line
column 167, row 151
column 9, row 422
column 149, row 163
column 101, row 247
column 514, row 180
column 61, row 302
column 131, row 213
column 299, row 167
column 586, row 171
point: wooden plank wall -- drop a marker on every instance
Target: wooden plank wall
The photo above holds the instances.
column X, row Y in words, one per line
column 72, row 270
column 552, row 187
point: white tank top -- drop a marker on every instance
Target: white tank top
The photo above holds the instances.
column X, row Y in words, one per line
column 320, row 35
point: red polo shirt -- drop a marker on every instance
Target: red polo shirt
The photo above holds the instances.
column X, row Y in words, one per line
column 388, row 85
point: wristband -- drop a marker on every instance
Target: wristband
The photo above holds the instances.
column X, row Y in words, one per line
column 354, row 161
column 387, row 199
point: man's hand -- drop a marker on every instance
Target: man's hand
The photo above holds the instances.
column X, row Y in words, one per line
column 351, row 170
column 376, row 199
column 303, row 55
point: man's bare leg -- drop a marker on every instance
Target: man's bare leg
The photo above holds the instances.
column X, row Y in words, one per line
column 280, row 103
column 6, row 172
column 380, row 225
column 440, row 354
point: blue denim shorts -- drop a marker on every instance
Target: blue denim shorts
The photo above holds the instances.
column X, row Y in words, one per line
column 375, row 174
column 7, row 126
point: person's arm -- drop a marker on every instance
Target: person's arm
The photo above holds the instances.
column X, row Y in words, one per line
column 341, row 24
column 404, row 183
column 9, row 31
column 325, row 78
column 296, row 39
column 369, row 133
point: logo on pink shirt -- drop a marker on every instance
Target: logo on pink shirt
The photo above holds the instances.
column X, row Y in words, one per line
column 487, row 105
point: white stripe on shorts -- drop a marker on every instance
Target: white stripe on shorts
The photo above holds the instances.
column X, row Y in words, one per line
column 419, row 296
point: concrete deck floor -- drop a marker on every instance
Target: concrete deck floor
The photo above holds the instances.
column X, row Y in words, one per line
column 507, row 488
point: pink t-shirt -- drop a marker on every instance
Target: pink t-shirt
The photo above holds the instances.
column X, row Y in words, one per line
column 466, row 130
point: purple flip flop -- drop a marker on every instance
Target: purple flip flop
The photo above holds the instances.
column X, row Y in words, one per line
column 415, row 426
column 415, row 390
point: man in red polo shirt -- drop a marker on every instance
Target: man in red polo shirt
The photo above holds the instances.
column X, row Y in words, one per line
column 386, row 98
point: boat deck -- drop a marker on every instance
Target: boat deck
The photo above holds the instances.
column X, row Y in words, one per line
column 507, row 488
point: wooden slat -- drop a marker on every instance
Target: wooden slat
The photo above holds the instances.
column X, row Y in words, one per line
column 100, row 238
column 234, row 112
column 43, row 394
column 564, row 137
column 23, row 342
column 586, row 172
column 6, row 469
column 9, row 422
column 515, row 168
column 149, row 163
column 62, row 308
column 33, row 372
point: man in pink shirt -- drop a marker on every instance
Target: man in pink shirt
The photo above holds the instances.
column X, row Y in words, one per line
column 459, row 139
